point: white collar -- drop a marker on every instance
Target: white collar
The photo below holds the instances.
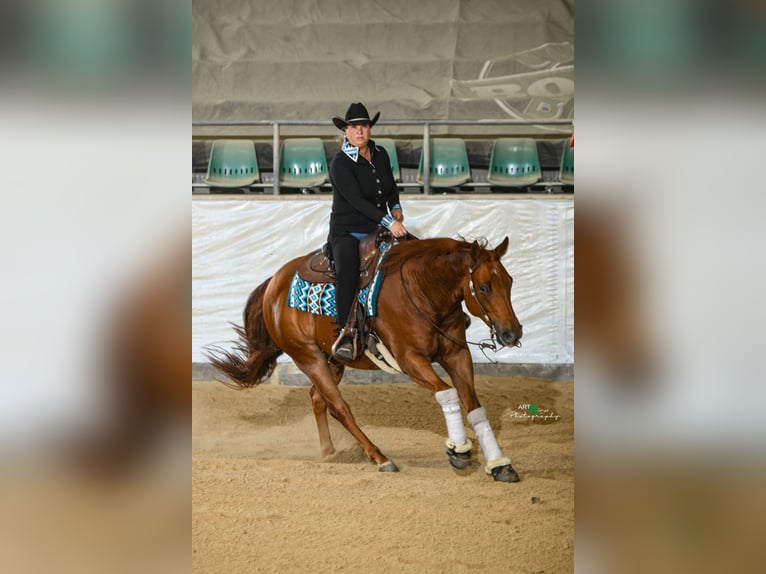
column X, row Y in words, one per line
column 350, row 150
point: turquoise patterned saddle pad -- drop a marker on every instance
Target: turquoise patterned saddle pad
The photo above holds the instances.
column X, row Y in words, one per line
column 319, row 298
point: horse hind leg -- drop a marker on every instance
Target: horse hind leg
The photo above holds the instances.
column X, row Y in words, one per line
column 326, row 385
column 319, row 405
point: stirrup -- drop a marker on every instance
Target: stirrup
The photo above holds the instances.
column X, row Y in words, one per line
column 346, row 352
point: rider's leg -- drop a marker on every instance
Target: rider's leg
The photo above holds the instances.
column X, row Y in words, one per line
column 346, row 254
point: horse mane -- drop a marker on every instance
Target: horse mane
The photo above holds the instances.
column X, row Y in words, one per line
column 428, row 250
column 422, row 260
column 425, row 250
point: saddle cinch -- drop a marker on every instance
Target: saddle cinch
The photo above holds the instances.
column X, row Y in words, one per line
column 320, row 267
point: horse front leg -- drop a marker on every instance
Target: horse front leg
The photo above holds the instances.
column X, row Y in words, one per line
column 459, row 367
column 419, row 369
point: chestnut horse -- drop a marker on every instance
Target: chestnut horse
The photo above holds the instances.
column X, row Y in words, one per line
column 420, row 321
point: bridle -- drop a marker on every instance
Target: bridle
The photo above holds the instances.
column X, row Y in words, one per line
column 493, row 346
column 486, row 317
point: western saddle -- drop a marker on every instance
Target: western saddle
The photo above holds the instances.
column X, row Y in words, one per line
column 320, row 267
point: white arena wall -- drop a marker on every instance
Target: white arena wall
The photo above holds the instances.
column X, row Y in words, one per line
column 238, row 242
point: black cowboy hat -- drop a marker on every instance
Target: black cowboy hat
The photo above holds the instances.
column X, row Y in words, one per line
column 356, row 114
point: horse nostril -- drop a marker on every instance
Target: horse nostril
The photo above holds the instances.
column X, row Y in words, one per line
column 511, row 336
column 507, row 336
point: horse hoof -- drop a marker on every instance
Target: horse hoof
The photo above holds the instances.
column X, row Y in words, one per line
column 459, row 460
column 505, row 473
column 388, row 467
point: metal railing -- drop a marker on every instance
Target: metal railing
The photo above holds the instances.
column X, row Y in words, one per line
column 276, row 138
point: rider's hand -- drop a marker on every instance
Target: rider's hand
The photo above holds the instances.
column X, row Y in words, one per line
column 397, row 215
column 398, row 229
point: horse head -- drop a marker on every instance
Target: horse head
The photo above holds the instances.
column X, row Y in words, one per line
column 487, row 292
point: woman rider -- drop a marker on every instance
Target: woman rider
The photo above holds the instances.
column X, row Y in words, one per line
column 364, row 197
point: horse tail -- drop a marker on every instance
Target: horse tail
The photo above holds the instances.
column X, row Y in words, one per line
column 255, row 354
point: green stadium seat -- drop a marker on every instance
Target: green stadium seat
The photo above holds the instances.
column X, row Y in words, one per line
column 232, row 163
column 390, row 146
column 514, row 163
column 566, row 172
column 303, row 163
column 448, row 163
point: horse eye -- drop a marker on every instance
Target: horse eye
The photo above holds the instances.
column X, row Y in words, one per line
column 484, row 289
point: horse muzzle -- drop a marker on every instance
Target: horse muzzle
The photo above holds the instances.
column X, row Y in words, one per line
column 510, row 337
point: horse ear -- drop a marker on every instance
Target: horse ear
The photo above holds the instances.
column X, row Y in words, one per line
column 502, row 248
column 476, row 250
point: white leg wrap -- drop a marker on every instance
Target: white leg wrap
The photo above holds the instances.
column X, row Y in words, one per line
column 455, row 429
column 492, row 453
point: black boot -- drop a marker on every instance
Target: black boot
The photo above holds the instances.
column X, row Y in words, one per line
column 343, row 349
column 345, row 346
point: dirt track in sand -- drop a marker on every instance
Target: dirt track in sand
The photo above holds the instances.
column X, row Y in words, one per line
column 264, row 500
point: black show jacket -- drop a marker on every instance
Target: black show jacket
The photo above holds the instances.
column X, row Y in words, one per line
column 363, row 192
